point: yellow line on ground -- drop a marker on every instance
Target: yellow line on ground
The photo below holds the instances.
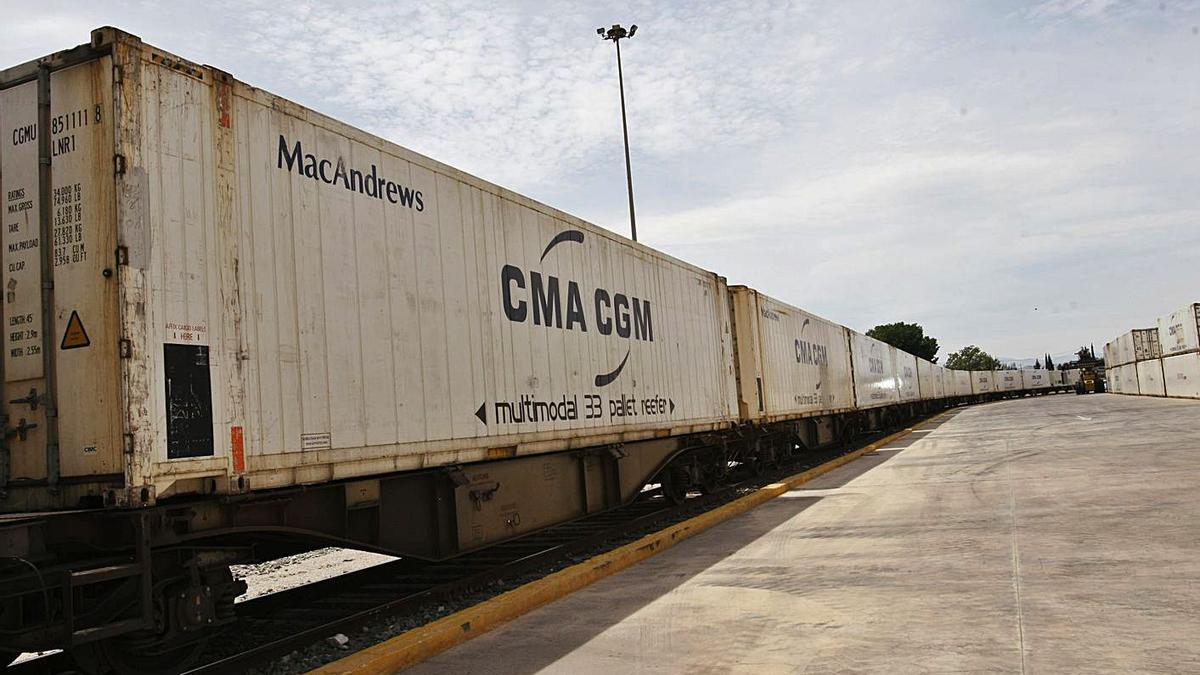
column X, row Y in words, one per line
column 421, row 643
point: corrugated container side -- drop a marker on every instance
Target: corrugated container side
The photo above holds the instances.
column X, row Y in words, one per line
column 1179, row 331
column 790, row 363
column 906, row 375
column 874, row 372
column 1181, row 375
column 981, row 381
column 1150, row 378
column 939, row 381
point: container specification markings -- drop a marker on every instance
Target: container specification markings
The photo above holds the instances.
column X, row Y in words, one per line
column 529, row 408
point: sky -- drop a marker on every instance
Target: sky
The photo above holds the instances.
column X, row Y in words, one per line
column 1018, row 175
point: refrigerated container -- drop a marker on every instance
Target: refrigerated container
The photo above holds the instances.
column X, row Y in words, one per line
column 961, row 382
column 981, row 382
column 925, row 374
column 1150, row 377
column 1008, row 380
column 906, row 375
column 790, row 363
column 1179, row 331
column 1181, row 375
column 1123, row 379
column 1138, row 344
column 1035, row 378
column 249, row 294
column 874, row 372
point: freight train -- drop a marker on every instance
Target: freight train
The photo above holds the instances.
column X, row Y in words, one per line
column 236, row 328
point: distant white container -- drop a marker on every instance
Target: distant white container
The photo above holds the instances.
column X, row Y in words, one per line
column 1150, row 377
column 981, row 382
column 1138, row 344
column 1181, row 375
column 906, row 375
column 938, row 375
column 961, row 380
column 1008, row 380
column 1035, row 378
column 790, row 363
column 1123, row 379
column 1072, row 376
column 874, row 372
column 1179, row 331
column 925, row 372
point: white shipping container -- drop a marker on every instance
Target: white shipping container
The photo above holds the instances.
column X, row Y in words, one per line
column 1072, row 376
column 1124, row 379
column 1145, row 344
column 1150, row 378
column 1035, row 378
column 1179, row 331
column 925, row 374
column 962, row 382
column 874, row 372
column 939, row 381
column 300, row 301
column 1138, row 344
column 1008, row 380
column 981, row 382
column 790, row 363
column 906, row 375
column 1181, row 375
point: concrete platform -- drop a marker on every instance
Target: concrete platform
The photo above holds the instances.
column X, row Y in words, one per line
column 1054, row 535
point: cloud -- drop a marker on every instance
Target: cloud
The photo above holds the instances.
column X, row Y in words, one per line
column 956, row 164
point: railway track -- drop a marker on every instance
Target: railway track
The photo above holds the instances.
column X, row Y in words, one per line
column 274, row 625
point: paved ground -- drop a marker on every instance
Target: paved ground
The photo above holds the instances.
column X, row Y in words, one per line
column 1051, row 535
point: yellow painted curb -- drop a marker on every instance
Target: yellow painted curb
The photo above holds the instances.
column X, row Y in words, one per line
column 421, row 643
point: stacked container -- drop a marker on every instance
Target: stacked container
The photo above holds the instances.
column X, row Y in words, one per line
column 1123, row 355
column 1179, row 340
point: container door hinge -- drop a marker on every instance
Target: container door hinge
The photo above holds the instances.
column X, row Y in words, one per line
column 126, row 349
column 122, row 255
column 119, row 164
column 127, row 443
column 118, row 72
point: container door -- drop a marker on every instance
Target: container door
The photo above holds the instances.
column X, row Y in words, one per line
column 59, row 311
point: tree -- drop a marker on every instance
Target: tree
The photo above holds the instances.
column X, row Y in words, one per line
column 909, row 337
column 1049, row 363
column 972, row 358
column 1037, row 363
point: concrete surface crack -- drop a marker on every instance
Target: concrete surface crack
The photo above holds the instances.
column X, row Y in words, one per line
column 1016, row 565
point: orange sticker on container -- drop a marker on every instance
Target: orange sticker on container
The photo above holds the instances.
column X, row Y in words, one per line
column 237, row 442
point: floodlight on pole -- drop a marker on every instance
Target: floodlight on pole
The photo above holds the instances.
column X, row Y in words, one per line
column 616, row 34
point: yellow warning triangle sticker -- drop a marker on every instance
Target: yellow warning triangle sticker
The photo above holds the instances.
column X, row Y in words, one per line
column 76, row 336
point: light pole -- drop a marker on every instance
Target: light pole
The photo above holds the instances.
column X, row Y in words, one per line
column 616, row 34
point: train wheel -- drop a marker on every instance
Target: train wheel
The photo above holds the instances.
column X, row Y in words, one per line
column 675, row 486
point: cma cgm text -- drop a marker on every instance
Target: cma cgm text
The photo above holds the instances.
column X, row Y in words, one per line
column 335, row 173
